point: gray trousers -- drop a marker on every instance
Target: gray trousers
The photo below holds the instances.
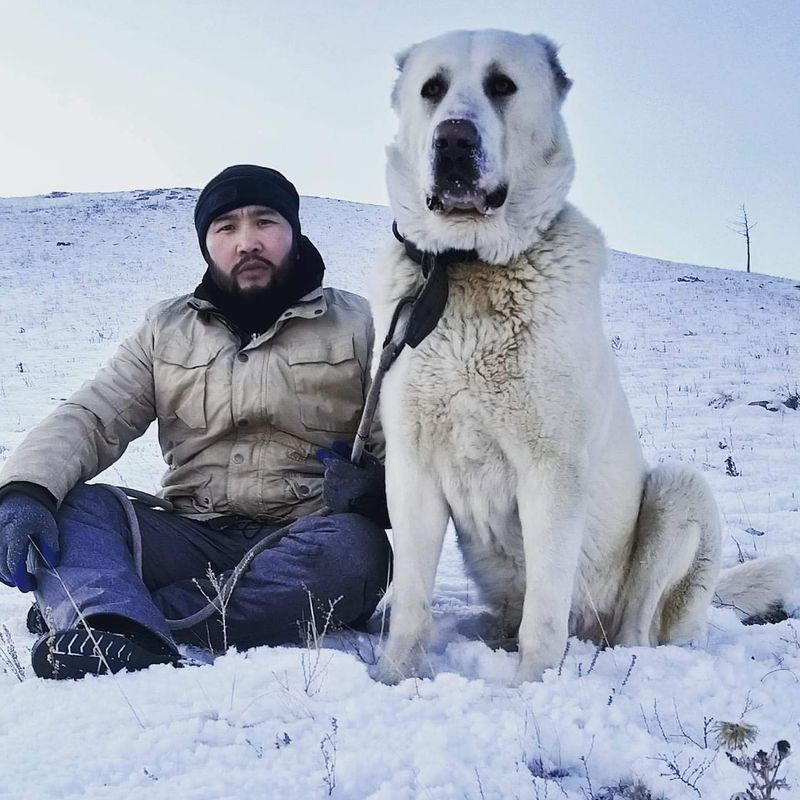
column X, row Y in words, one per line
column 343, row 559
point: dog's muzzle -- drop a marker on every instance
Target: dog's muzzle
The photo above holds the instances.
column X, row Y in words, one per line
column 457, row 158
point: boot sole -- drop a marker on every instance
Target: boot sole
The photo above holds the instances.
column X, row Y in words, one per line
column 75, row 653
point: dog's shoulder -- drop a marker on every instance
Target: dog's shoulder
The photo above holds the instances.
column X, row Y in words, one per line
column 572, row 249
column 571, row 224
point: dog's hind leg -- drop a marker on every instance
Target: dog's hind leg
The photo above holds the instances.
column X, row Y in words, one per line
column 760, row 588
column 674, row 562
column 419, row 515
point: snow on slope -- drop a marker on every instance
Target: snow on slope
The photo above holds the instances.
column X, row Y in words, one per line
column 695, row 346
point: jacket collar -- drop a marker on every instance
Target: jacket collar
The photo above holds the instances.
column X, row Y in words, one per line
column 306, row 306
column 311, row 305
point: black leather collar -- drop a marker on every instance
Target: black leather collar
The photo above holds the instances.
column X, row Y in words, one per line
column 427, row 260
column 428, row 303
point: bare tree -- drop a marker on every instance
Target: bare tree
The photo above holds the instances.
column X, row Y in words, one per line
column 743, row 226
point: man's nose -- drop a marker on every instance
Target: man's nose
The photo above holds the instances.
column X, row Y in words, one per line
column 247, row 242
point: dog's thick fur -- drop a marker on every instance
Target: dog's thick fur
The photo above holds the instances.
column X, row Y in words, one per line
column 510, row 417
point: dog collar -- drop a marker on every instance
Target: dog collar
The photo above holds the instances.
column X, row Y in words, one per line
column 414, row 317
column 427, row 304
column 428, row 260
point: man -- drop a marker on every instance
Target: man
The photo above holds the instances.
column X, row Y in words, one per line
column 252, row 380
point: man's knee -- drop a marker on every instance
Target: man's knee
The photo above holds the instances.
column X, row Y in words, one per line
column 350, row 543
column 354, row 562
column 87, row 495
column 371, row 548
column 91, row 506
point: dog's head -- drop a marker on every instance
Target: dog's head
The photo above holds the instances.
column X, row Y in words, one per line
column 481, row 159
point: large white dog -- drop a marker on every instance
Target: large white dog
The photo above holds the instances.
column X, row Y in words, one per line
column 510, row 417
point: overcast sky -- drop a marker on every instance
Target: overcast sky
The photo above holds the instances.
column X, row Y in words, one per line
column 680, row 111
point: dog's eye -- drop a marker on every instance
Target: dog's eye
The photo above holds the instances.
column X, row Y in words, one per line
column 434, row 89
column 500, row 86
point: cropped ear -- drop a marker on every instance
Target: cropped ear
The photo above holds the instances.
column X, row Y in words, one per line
column 563, row 83
column 401, row 57
column 400, row 60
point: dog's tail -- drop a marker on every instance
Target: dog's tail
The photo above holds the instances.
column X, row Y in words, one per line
column 762, row 588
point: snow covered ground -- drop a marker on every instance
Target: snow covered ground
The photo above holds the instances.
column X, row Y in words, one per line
column 696, row 347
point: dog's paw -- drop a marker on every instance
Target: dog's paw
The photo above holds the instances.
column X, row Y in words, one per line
column 527, row 675
column 391, row 671
column 530, row 670
column 386, row 671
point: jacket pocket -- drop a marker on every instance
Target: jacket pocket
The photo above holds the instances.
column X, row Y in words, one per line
column 181, row 375
column 328, row 382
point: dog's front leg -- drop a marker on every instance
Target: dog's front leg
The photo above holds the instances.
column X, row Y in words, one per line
column 419, row 517
column 551, row 501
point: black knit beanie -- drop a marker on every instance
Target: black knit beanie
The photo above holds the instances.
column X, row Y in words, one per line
column 245, row 185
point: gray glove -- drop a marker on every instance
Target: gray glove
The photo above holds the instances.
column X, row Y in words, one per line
column 357, row 489
column 25, row 524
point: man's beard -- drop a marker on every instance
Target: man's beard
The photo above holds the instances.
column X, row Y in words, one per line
column 229, row 282
column 254, row 309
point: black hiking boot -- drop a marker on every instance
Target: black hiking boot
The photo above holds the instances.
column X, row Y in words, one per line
column 35, row 620
column 77, row 652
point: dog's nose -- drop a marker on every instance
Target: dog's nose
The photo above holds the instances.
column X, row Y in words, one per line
column 456, row 153
column 460, row 136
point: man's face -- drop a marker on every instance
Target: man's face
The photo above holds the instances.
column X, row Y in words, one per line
column 250, row 249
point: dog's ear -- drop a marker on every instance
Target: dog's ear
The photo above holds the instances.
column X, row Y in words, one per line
column 563, row 83
column 560, row 78
column 400, row 59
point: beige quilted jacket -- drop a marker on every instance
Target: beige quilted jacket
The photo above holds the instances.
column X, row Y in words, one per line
column 238, row 426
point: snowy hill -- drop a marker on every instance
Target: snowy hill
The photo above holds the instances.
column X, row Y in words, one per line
column 697, row 348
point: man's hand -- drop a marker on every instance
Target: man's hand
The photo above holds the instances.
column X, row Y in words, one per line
column 25, row 524
column 354, row 489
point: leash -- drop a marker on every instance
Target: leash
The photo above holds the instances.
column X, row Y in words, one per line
column 414, row 317
column 124, row 494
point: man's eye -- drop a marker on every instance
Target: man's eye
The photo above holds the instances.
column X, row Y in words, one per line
column 266, row 221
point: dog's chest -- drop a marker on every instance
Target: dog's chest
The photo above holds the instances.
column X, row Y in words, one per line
column 471, row 379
